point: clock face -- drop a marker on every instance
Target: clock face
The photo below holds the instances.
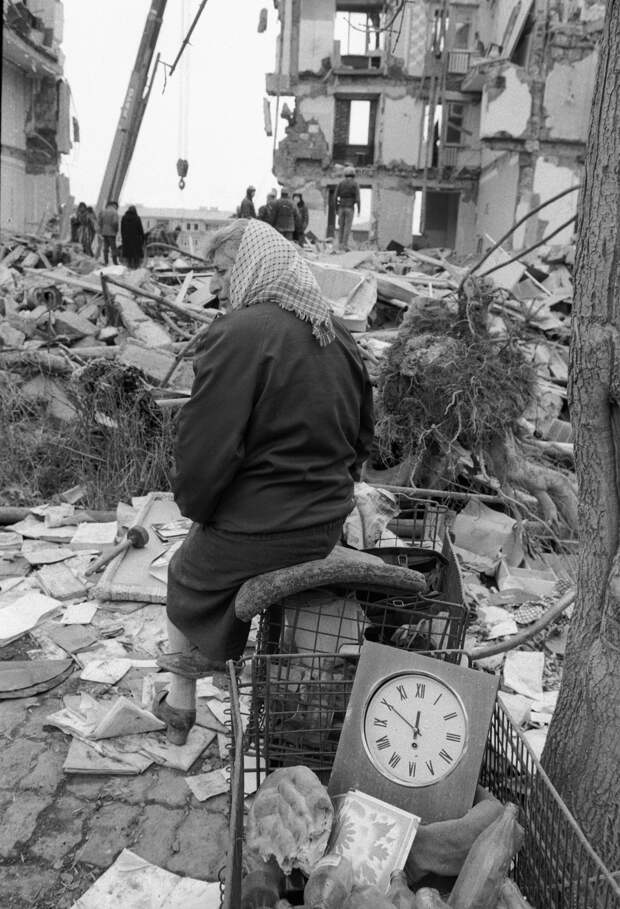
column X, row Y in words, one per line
column 414, row 729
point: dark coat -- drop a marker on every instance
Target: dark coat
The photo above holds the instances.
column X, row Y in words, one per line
column 132, row 235
column 277, row 427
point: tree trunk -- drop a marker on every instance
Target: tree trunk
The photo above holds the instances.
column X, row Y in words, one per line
column 583, row 746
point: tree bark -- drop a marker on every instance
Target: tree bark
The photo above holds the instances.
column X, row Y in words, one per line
column 583, row 746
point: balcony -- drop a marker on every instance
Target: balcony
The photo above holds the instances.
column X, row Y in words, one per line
column 459, row 61
column 370, row 63
column 357, row 155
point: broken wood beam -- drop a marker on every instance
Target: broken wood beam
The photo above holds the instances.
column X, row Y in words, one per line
column 188, row 314
column 12, row 514
column 180, row 252
column 69, row 280
column 44, row 361
column 415, row 493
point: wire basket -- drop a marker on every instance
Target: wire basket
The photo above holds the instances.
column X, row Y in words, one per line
column 420, row 523
column 338, row 622
column 556, row 867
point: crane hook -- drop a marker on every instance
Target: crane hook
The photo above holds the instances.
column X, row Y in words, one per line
column 182, row 168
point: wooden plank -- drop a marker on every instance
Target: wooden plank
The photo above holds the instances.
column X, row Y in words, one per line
column 127, row 576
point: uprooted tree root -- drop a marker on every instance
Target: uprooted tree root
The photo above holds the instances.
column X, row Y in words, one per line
column 449, row 390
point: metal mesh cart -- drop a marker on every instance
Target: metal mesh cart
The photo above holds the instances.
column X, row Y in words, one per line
column 555, row 869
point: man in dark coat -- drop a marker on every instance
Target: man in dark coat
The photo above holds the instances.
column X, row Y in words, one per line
column 268, row 447
column 284, row 216
column 132, row 235
column 347, row 198
column 302, row 210
column 246, row 206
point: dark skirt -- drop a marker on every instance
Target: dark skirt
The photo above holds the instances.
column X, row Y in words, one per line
column 206, row 572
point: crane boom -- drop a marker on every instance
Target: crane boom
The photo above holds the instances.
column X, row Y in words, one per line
column 132, row 110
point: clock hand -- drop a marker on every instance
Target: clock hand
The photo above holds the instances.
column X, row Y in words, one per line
column 394, row 710
column 416, row 731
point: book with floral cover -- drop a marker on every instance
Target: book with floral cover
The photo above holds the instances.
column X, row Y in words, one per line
column 374, row 835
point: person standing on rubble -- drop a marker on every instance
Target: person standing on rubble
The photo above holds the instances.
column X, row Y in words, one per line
column 246, row 206
column 284, row 216
column 302, row 211
column 277, row 428
column 85, row 230
column 347, row 197
column 108, row 228
column 264, row 212
column 132, row 236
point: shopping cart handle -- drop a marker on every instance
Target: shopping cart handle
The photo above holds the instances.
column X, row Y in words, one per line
column 341, row 566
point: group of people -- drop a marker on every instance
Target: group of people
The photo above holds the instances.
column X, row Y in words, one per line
column 86, row 226
column 289, row 216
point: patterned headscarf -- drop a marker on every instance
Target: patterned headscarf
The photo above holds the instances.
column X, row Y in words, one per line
column 268, row 269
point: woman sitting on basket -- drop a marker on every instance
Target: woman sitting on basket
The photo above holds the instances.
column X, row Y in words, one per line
column 278, row 425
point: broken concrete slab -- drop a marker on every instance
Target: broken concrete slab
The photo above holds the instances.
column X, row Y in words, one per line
column 72, row 324
column 11, row 337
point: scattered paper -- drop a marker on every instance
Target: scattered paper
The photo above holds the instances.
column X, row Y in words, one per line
column 516, row 706
column 106, row 671
column 523, row 672
column 159, row 566
column 82, row 757
column 79, row 614
column 134, row 883
column 180, row 757
column 126, row 718
column 536, row 739
column 35, row 529
column 23, row 614
column 40, row 552
column 95, row 536
column 206, row 689
column 207, row 785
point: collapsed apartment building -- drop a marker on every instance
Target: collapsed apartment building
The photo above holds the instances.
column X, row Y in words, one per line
column 35, row 115
column 459, row 117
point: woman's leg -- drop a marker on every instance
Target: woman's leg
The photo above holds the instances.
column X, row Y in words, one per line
column 182, row 694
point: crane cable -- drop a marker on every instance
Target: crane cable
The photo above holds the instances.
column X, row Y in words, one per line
column 184, row 101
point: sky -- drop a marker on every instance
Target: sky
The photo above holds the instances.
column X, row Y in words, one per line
column 211, row 112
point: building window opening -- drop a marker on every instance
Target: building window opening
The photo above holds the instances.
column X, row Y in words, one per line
column 361, row 221
column 416, row 224
column 359, row 123
column 358, row 33
column 454, row 126
column 441, row 23
column 354, row 131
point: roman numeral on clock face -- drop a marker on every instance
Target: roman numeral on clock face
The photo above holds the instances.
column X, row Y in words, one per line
column 450, row 716
column 412, row 768
column 402, row 692
column 429, row 764
column 453, row 737
column 420, row 689
column 394, row 760
column 383, row 742
column 446, row 757
column 379, row 722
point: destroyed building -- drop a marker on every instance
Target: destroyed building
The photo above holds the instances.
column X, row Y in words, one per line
column 459, row 117
column 35, row 115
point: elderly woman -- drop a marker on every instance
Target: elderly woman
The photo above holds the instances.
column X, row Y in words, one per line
column 268, row 446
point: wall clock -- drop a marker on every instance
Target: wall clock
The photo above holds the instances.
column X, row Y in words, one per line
column 414, row 733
